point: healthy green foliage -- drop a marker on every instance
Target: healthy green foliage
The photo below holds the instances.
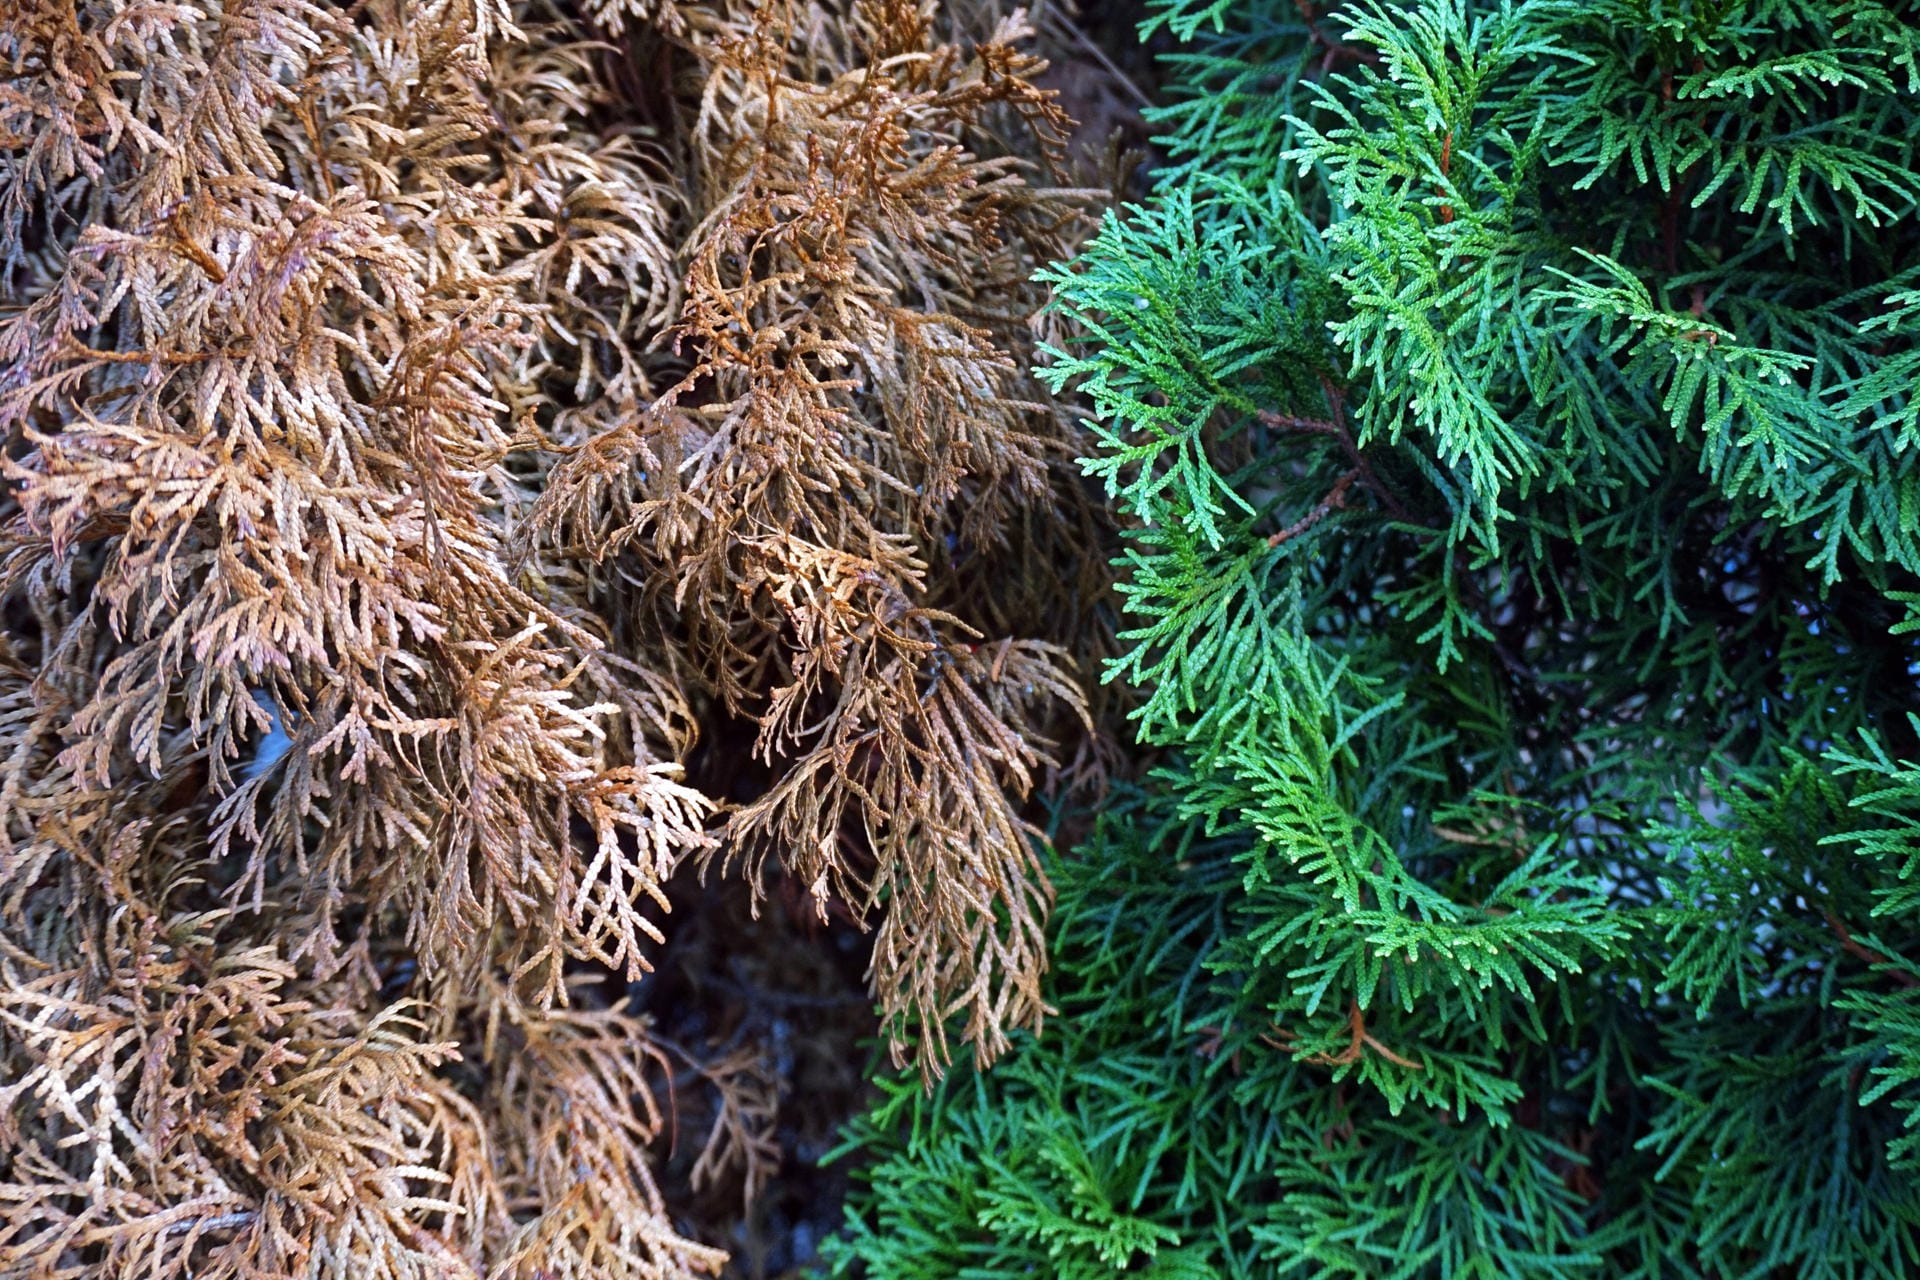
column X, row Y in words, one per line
column 1515, row 409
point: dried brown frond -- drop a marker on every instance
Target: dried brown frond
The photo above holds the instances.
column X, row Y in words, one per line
column 579, row 1085
column 301, row 472
column 872, row 186
column 418, row 420
column 740, row 1144
column 306, row 294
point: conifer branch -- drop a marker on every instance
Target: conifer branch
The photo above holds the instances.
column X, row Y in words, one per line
column 1681, row 490
column 371, row 558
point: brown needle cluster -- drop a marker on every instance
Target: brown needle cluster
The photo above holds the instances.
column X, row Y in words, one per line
column 413, row 438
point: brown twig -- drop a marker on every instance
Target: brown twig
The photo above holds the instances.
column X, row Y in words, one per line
column 191, row 250
column 1099, row 55
column 218, row 1222
column 141, row 357
column 1361, row 1040
column 1335, row 425
column 1670, row 206
column 1852, row 946
column 1288, row 421
column 1334, row 501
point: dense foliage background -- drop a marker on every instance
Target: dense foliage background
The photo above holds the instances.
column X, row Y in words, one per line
column 1512, row 409
column 557, row 559
column 472, row 469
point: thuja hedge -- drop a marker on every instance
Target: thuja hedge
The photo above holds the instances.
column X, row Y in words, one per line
column 1512, row 407
column 464, row 463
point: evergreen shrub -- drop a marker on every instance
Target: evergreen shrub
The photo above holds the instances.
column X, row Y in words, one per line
column 1513, row 410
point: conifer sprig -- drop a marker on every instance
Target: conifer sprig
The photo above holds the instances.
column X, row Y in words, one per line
column 1508, row 404
column 420, row 423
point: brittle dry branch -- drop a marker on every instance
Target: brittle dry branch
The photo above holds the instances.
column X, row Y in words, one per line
column 407, row 446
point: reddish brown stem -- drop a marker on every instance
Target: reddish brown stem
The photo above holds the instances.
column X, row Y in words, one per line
column 1287, row 421
column 141, row 357
column 1334, row 501
column 1853, row 947
column 191, row 250
column 1670, row 209
column 1336, row 426
column 1361, row 1041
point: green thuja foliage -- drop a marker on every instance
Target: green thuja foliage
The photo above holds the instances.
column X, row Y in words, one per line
column 1514, row 407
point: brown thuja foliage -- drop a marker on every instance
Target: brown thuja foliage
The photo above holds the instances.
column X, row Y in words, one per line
column 265, row 411
column 334, row 269
column 419, row 423
column 850, row 501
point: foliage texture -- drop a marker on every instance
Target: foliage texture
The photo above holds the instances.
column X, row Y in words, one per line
column 421, row 422
column 1514, row 407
